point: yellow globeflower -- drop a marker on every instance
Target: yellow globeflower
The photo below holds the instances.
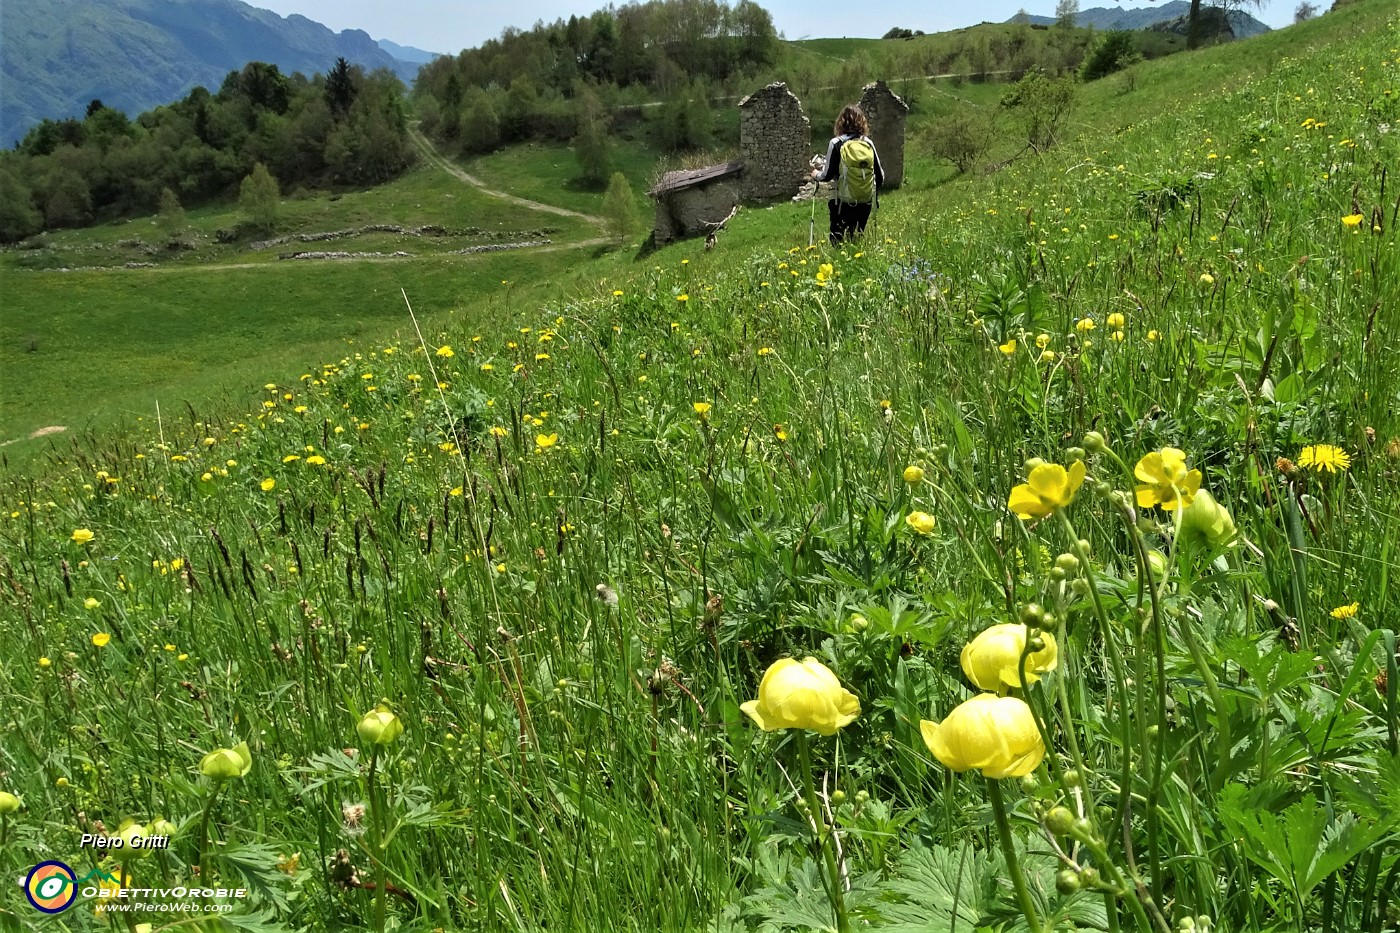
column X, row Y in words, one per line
column 922, row 522
column 1205, row 521
column 992, row 734
column 224, row 764
column 992, row 660
column 9, row 803
column 913, row 474
column 1166, row 481
column 379, row 726
column 802, row 695
column 1049, row 487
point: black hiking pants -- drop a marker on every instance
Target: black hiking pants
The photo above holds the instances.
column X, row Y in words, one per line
column 847, row 220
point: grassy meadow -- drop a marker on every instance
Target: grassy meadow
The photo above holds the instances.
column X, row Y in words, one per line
column 1080, row 479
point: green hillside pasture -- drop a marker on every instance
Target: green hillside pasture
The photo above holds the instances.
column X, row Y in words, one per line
column 423, row 196
column 566, row 573
column 547, row 172
column 85, row 349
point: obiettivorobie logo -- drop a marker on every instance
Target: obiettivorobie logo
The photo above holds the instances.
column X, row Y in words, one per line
column 52, row 887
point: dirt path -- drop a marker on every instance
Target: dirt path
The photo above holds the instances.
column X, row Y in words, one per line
column 438, row 160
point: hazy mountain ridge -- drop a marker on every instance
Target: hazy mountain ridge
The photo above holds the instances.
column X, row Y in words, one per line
column 1242, row 23
column 56, row 55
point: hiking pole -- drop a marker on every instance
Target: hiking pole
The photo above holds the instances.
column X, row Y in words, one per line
column 812, row 222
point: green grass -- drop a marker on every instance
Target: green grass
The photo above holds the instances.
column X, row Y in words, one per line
column 547, row 172
column 564, row 576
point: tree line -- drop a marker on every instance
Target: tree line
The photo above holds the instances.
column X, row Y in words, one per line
column 565, row 80
column 345, row 127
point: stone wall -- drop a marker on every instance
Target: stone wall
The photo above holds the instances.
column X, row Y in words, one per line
column 886, row 113
column 775, row 143
column 693, row 210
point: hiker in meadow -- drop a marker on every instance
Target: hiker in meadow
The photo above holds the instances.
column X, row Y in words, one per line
column 853, row 163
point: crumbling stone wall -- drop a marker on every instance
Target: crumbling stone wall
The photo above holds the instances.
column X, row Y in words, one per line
column 775, row 142
column 886, row 112
column 694, row 210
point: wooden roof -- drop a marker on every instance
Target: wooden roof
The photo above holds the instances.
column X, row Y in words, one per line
column 678, row 181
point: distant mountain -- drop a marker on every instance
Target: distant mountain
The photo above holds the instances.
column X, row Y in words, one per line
column 407, row 53
column 133, row 55
column 1242, row 23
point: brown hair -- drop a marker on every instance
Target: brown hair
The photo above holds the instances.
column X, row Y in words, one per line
column 851, row 122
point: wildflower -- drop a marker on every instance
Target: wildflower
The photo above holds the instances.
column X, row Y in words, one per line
column 824, row 273
column 802, row 695
column 1008, row 348
column 445, row 351
column 268, row 484
column 617, row 293
column 992, row 660
column 1324, row 457
column 1346, row 612
column 992, row 734
column 498, row 431
column 1047, row 356
column 702, row 409
column 9, row 803
column 765, row 351
column 922, row 522
column 379, row 726
column 780, row 433
column 315, row 460
column 546, row 440
column 1049, row 487
column 82, row 535
column 45, row 663
column 1115, row 320
column 1207, row 278
column 1154, row 335
column 225, row 764
column 90, row 603
column 1042, row 341
column 101, row 640
column 682, row 297
column 913, row 474
column 132, row 835
column 1166, row 480
column 1352, row 220
column 1084, row 325
column 1205, row 521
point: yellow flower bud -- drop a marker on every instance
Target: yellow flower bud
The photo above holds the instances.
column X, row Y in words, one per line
column 922, row 522
column 224, row 764
column 913, row 474
column 132, row 835
column 9, row 803
column 992, row 660
column 1205, row 521
column 992, row 734
column 379, row 726
column 802, row 695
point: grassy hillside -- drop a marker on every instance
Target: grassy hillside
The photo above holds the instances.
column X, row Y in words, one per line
column 560, row 541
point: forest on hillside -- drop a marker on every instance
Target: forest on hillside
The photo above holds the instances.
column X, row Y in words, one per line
column 345, row 127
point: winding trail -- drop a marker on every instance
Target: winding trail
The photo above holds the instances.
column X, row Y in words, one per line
column 438, row 160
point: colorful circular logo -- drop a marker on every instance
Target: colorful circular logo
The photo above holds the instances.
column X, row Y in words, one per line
column 51, row 887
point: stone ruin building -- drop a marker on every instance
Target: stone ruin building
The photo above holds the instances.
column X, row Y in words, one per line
column 886, row 112
column 775, row 149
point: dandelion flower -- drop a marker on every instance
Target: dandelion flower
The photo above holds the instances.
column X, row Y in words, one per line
column 268, row 484
column 445, row 351
column 1346, row 612
column 1324, row 457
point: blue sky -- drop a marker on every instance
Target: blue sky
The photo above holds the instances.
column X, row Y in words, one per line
column 452, row 25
